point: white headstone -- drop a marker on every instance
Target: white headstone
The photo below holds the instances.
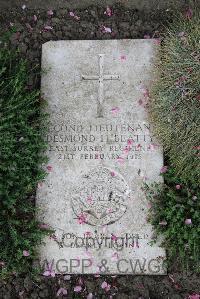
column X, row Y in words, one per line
column 101, row 151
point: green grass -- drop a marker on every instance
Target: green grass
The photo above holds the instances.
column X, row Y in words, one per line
column 170, row 207
column 175, row 111
column 21, row 158
column 175, row 104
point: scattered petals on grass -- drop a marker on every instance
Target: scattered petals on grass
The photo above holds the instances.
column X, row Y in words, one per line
column 188, row 221
column 77, row 289
column 61, row 291
column 26, row 253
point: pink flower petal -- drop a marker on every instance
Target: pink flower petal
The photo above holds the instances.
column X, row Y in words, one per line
column 40, row 184
column 188, row 221
column 163, row 169
column 194, row 296
column 90, row 296
column 105, row 286
column 105, row 29
column 34, row 18
column 26, row 253
column 115, row 257
column 71, row 14
column 23, row 6
column 77, row 18
column 120, row 160
column 44, row 226
column 61, row 291
column 48, row 27
column 126, row 150
column 123, row 57
column 2, row 264
column 115, row 110
column 78, row 289
column 49, row 168
column 67, row 277
column 50, row 12
column 147, row 36
column 46, row 273
column 108, row 12
column 113, row 237
column 82, row 218
column 189, row 13
column 130, row 141
column 112, row 173
column 89, row 199
column 178, row 187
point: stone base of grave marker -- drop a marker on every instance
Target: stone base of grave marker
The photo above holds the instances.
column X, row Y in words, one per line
column 101, row 151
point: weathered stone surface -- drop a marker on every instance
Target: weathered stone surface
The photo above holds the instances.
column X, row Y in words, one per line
column 101, row 151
